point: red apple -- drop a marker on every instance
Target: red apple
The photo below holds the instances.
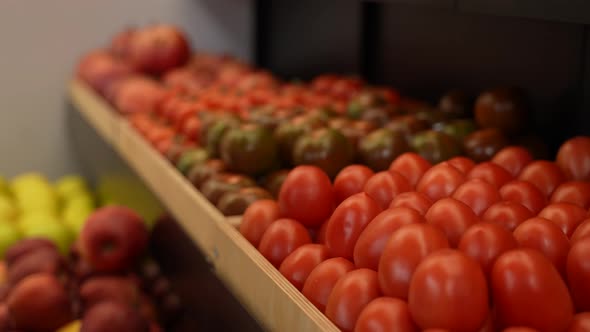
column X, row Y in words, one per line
column 109, row 288
column 40, row 261
column 158, row 48
column 39, row 303
column 136, row 94
column 112, row 238
column 100, row 70
column 26, row 246
column 113, row 317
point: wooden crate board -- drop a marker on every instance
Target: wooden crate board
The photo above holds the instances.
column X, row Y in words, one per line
column 265, row 293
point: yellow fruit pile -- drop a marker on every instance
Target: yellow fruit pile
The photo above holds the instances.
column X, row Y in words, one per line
column 31, row 206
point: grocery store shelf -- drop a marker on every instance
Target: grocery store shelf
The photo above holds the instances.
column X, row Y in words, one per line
column 269, row 297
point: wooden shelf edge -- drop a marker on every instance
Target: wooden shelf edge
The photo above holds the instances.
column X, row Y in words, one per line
column 263, row 291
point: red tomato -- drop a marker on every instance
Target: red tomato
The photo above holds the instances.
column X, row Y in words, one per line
column 404, row 250
column 452, row 217
column 321, row 234
column 435, row 330
column 463, row 164
column 545, row 175
column 257, row 217
column 350, row 296
column 372, row 240
column 347, row 223
column 320, row 282
column 411, row 165
column 299, row 264
column 351, row 180
column 513, row 159
column 525, row 193
column 507, row 214
column 578, row 274
column 307, row 195
column 547, row 238
column 573, row 158
column 582, row 231
column 384, row 186
column 491, row 173
column 485, row 242
column 565, row 215
column 385, row 314
column 575, row 192
column 440, row 181
column 449, row 290
column 519, row 329
column 412, row 199
column 580, row 323
column 281, row 238
column 528, row 291
column 478, row 194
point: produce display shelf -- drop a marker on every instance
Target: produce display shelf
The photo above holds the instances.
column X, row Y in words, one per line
column 263, row 291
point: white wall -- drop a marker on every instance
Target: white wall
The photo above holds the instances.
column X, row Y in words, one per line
column 41, row 41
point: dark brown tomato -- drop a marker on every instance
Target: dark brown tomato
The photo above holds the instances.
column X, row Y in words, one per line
column 513, row 159
column 214, row 129
column 234, row 203
column 287, row 133
column 528, row 291
column 321, row 281
column 325, row 148
column 274, row 181
column 525, row 193
column 482, row 145
column 249, row 149
column 348, row 222
column 372, row 240
column 435, row 146
column 378, row 149
column 449, row 290
column 408, row 125
column 507, row 214
column 298, row 265
column 349, row 297
column 202, row 172
column 502, row 108
column 575, row 192
column 478, row 194
column 356, row 130
column 542, row 235
column 384, row 186
column 385, row 314
column 456, row 103
column 452, row 217
column 404, row 250
column 413, row 200
column 440, row 181
column 545, row 175
column 458, row 128
column 491, row 173
column 410, row 165
column 257, row 217
column 218, row 185
column 578, row 274
column 351, row 180
column 281, row 238
column 463, row 164
column 485, row 242
column 564, row 215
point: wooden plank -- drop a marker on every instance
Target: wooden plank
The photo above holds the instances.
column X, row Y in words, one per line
column 269, row 297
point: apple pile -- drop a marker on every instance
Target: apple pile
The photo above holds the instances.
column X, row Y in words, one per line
column 216, row 117
column 105, row 284
column 31, row 206
column 460, row 246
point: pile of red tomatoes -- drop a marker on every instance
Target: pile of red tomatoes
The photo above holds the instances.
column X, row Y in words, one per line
column 457, row 246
